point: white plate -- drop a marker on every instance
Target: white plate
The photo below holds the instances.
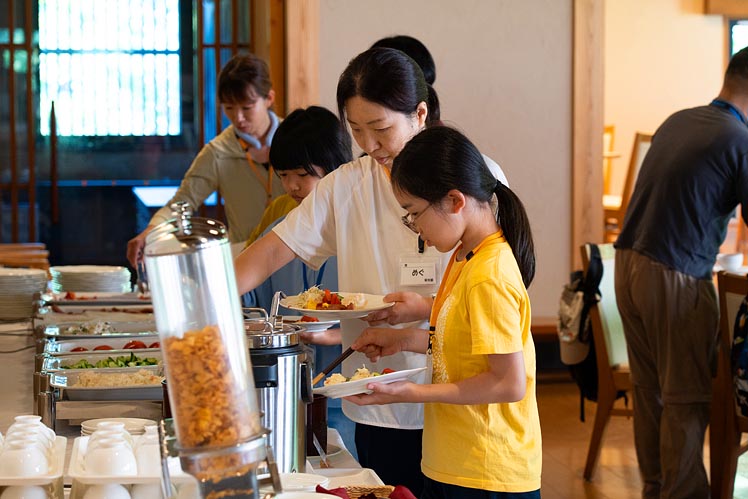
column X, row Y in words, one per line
column 359, row 386
column 310, row 327
column 302, row 482
column 372, row 304
column 130, row 423
column 340, row 477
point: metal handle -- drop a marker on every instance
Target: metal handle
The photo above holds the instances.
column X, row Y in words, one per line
column 307, row 395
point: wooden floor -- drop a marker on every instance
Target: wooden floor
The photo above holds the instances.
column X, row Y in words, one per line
column 565, row 441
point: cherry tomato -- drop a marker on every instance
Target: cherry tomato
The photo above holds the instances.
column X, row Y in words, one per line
column 155, row 344
column 103, row 347
column 130, row 345
column 79, row 349
column 387, row 370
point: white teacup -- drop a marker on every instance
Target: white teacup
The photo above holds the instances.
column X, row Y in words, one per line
column 24, row 492
column 35, row 436
column 108, row 491
column 107, row 434
column 25, row 428
column 33, row 419
column 145, row 490
column 23, row 458
column 112, row 457
column 730, row 261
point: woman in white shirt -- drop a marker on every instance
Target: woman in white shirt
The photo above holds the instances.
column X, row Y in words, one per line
column 353, row 214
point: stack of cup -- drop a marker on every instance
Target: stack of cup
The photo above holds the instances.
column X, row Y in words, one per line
column 110, row 451
column 28, row 448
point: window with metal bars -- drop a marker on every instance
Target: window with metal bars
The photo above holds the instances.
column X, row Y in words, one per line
column 111, row 68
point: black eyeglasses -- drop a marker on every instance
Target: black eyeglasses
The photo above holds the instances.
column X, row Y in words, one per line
column 411, row 222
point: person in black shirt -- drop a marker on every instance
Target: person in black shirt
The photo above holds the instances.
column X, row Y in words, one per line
column 692, row 178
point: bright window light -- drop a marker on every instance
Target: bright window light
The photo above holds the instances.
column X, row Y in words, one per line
column 111, row 67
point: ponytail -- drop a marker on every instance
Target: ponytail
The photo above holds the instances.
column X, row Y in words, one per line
column 434, row 115
column 512, row 218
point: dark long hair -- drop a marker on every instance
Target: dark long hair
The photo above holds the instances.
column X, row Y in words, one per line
column 415, row 49
column 440, row 159
column 307, row 137
column 390, row 78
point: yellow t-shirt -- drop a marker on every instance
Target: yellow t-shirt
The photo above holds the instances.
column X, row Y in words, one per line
column 278, row 207
column 494, row 447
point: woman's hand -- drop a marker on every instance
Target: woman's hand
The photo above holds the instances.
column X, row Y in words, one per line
column 408, row 307
column 331, row 336
column 387, row 393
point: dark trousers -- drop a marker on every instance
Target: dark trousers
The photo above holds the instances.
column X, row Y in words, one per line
column 437, row 490
column 394, row 454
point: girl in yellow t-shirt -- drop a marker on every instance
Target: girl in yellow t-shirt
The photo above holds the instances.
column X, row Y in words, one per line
column 481, row 435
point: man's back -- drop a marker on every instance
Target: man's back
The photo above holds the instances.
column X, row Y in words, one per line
column 693, row 176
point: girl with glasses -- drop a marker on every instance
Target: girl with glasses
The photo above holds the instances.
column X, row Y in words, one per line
column 481, row 432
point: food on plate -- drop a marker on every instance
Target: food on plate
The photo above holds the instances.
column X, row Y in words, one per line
column 103, row 347
column 315, row 298
column 79, row 349
column 114, row 380
column 98, row 327
column 155, row 344
column 131, row 360
column 211, row 408
column 361, row 373
column 134, row 344
column 306, row 318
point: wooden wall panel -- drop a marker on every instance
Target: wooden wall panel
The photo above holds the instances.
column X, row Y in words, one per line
column 588, row 124
column 302, row 53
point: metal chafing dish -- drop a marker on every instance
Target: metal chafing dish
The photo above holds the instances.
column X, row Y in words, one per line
column 51, row 363
column 67, row 346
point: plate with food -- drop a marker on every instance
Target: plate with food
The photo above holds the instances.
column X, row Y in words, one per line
column 329, row 305
column 311, row 324
column 337, row 386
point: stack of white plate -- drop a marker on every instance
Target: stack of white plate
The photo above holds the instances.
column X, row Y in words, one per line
column 134, row 426
column 98, row 278
column 17, row 288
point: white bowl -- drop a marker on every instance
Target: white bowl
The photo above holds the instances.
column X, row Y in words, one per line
column 730, row 261
column 108, row 491
column 111, row 457
column 23, row 458
column 24, row 492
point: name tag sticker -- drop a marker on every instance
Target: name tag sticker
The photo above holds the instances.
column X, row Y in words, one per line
column 417, row 273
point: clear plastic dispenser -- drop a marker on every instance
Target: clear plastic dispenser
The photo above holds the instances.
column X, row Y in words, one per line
column 219, row 438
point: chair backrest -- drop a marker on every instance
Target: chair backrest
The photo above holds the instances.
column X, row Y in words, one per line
column 732, row 288
column 642, row 141
column 610, row 318
column 609, row 135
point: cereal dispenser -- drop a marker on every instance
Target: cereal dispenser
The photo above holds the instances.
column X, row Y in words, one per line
column 219, row 438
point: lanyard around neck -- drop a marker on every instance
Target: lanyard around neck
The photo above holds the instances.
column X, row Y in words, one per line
column 265, row 181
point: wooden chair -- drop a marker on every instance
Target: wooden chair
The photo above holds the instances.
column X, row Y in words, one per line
column 726, row 424
column 613, row 373
column 609, row 135
column 615, row 207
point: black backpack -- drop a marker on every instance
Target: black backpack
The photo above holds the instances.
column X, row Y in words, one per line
column 584, row 373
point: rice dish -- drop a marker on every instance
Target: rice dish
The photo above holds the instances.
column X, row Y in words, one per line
column 116, row 380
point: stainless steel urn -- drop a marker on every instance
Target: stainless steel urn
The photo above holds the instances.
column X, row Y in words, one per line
column 282, row 376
